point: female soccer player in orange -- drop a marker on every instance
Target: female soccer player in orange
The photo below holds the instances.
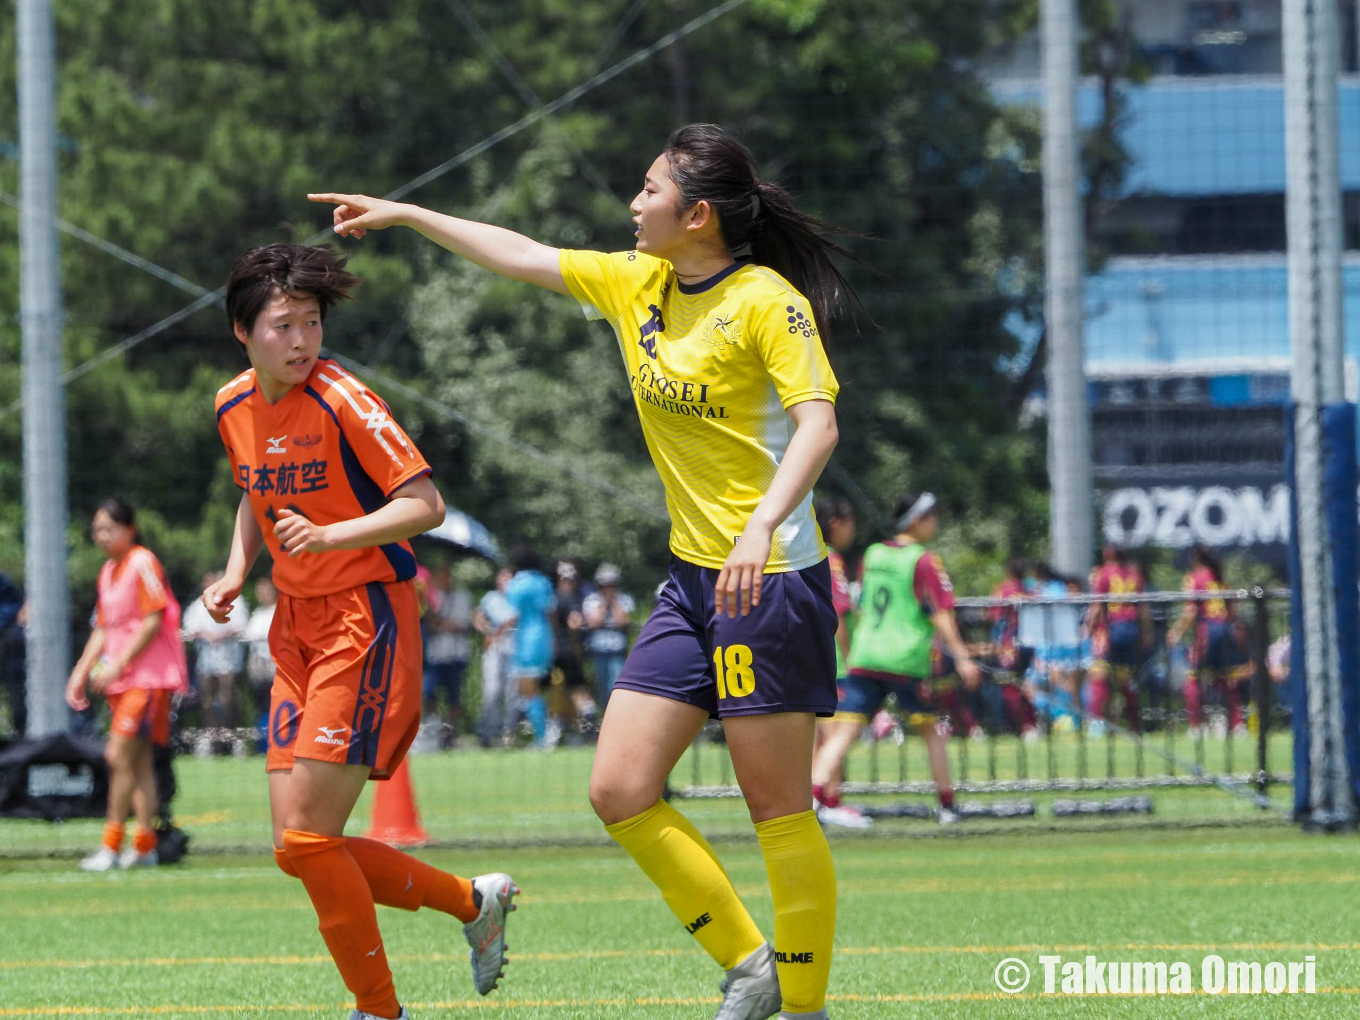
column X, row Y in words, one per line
column 134, row 658
column 334, row 488
column 720, row 314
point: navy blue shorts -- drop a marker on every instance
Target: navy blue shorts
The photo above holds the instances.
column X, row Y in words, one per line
column 1126, row 644
column 1217, row 648
column 780, row 658
column 862, row 696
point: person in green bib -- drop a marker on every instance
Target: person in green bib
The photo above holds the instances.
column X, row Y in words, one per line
column 905, row 604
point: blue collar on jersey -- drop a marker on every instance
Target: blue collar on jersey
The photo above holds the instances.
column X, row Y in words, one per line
column 712, row 281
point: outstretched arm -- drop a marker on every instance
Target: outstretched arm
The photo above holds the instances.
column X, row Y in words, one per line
column 495, row 248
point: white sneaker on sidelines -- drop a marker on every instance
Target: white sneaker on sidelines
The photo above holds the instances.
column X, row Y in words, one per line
column 102, row 859
column 359, row 1014
column 844, row 816
column 948, row 817
column 486, row 934
column 130, row 858
column 751, row 988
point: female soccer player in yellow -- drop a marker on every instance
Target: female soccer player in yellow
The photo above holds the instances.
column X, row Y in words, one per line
column 720, row 314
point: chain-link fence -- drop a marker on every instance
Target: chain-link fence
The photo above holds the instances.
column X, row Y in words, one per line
column 1070, row 722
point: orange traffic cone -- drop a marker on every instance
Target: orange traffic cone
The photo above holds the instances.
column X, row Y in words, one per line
column 395, row 818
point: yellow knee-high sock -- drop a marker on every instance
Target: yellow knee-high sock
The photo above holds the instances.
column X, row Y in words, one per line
column 803, row 883
column 692, row 882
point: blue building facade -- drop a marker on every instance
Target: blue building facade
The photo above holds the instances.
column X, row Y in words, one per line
column 1187, row 340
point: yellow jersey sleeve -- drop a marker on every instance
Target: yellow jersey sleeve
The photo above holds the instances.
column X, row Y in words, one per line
column 606, row 283
column 786, row 337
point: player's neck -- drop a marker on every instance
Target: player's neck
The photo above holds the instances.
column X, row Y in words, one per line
column 273, row 390
column 698, row 264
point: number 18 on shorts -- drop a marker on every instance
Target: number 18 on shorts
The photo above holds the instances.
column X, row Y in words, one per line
column 779, row 658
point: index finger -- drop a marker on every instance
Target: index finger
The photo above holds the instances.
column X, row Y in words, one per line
column 330, row 196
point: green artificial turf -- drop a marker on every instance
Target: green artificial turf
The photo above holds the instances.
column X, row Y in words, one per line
column 922, row 927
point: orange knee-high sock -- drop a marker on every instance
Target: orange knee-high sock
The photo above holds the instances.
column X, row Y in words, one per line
column 399, row 880
column 144, row 840
column 113, row 835
column 348, row 921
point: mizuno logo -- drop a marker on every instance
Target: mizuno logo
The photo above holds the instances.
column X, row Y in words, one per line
column 275, row 444
column 375, row 951
column 328, row 736
column 410, row 881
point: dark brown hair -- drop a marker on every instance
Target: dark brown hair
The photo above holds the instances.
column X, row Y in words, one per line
column 298, row 270
column 1200, row 556
column 120, row 512
column 709, row 164
column 830, row 508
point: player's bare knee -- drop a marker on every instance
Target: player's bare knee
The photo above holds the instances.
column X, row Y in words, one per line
column 116, row 755
column 615, row 802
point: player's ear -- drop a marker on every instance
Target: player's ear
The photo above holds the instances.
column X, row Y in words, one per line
column 700, row 215
column 240, row 331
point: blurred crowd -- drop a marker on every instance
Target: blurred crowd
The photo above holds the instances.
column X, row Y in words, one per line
column 531, row 660
column 1083, row 666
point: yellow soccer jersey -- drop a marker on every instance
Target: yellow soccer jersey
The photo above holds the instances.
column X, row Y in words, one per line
column 713, row 368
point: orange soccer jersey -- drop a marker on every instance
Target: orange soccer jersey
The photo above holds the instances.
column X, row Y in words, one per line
column 346, row 634
column 330, row 451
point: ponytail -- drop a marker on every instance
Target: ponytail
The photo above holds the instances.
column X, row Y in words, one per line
column 757, row 219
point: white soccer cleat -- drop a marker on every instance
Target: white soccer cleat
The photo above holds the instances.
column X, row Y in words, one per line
column 486, row 935
column 130, row 858
column 948, row 817
column 359, row 1014
column 751, row 988
column 844, row 816
column 102, row 859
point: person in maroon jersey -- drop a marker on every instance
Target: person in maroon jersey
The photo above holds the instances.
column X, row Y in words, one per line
column 1121, row 634
column 1218, row 649
column 1012, row 658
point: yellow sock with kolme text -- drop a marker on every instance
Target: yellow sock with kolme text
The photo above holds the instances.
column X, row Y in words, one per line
column 673, row 854
column 803, row 884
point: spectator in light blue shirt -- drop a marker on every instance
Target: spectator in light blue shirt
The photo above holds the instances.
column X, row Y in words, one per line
column 530, row 595
column 494, row 619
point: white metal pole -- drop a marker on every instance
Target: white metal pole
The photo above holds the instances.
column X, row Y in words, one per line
column 40, row 313
column 1313, row 210
column 1072, row 512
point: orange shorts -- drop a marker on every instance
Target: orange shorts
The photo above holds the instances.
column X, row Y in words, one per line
column 142, row 713
column 347, row 677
